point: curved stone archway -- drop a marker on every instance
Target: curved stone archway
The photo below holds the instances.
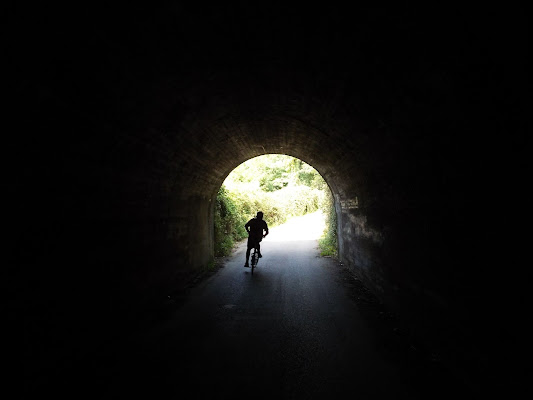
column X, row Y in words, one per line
column 233, row 129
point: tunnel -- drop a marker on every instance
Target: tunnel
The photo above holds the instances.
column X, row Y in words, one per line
column 129, row 119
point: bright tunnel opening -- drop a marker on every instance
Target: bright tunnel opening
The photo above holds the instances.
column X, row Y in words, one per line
column 296, row 201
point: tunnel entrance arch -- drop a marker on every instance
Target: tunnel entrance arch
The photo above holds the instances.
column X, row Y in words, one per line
column 202, row 148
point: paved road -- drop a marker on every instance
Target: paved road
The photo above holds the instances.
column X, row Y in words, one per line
column 290, row 331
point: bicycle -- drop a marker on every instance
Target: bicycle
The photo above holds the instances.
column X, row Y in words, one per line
column 255, row 259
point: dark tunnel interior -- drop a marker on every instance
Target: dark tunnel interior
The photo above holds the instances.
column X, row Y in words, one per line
column 127, row 121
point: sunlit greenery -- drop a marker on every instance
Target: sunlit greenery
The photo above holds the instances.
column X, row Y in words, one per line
column 328, row 241
column 280, row 186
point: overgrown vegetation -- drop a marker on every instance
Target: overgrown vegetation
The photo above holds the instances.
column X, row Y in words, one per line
column 280, row 186
column 328, row 241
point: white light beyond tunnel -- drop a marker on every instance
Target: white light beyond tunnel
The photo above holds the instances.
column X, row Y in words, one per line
column 307, row 227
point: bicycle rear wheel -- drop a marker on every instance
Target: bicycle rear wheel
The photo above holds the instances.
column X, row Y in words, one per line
column 254, row 261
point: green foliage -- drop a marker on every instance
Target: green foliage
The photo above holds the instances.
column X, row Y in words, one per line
column 229, row 223
column 280, row 186
column 274, row 179
column 328, row 242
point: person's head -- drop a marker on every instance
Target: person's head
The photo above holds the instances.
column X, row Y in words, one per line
column 260, row 215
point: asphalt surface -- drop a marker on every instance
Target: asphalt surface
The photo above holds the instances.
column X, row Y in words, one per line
column 300, row 327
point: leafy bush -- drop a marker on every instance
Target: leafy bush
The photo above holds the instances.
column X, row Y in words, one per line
column 229, row 223
column 328, row 242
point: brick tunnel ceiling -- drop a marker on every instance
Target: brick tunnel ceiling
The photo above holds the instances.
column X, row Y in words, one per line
column 203, row 92
column 235, row 130
column 195, row 91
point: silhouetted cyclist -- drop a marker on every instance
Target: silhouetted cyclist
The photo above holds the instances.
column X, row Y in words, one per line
column 255, row 228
